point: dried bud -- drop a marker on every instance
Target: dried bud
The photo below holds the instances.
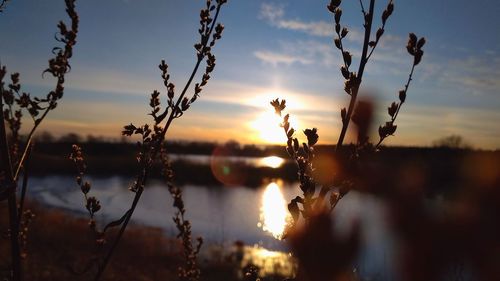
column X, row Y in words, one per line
column 185, row 104
column 85, row 187
column 345, row 72
column 344, row 32
column 385, row 16
column 337, row 43
column 347, row 58
column 418, row 57
column 410, row 50
column 312, row 136
column 219, row 28
column 390, row 7
column 128, row 130
column 197, row 89
column 338, row 14
column 392, row 109
column 93, row 205
column 380, row 31
column 295, row 144
column 421, row 43
column 278, row 106
column 333, row 5
column 170, row 88
column 412, row 41
column 402, row 95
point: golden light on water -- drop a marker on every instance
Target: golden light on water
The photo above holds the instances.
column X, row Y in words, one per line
column 269, row 262
column 274, row 215
column 272, row 162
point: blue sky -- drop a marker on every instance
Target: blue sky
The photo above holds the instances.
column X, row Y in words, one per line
column 269, row 49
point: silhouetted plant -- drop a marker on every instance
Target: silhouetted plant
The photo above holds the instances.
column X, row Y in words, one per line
column 14, row 158
column 2, row 5
column 152, row 138
column 190, row 270
column 310, row 206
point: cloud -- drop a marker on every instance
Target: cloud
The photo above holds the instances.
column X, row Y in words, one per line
column 271, row 13
column 477, row 74
column 275, row 16
column 280, row 58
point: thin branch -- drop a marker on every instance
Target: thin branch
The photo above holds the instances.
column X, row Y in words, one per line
column 11, row 189
column 24, row 185
column 29, row 143
column 139, row 186
column 362, row 7
column 410, row 78
column 362, row 63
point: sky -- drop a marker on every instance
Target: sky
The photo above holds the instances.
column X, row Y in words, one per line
column 269, row 49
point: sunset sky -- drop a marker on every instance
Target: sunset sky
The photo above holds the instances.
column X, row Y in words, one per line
column 269, row 49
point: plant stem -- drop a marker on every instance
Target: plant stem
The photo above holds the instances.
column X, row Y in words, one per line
column 28, row 143
column 410, row 77
column 24, row 185
column 362, row 64
column 146, row 166
column 11, row 185
column 102, row 266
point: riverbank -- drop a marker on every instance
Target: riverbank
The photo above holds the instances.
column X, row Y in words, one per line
column 58, row 244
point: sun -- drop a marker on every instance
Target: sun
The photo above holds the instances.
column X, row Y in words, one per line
column 267, row 127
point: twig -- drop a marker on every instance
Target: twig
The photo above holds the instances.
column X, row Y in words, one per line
column 11, row 189
column 362, row 63
column 399, row 106
column 24, row 185
column 362, row 7
column 146, row 166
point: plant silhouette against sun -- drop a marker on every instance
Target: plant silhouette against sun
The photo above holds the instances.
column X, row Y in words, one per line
column 311, row 206
column 358, row 112
column 152, row 149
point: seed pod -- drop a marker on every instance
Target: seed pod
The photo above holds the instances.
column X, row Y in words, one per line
column 412, row 41
column 347, row 58
column 344, row 32
column 420, row 43
column 392, row 109
column 338, row 14
column 337, row 43
column 345, row 72
column 402, row 95
column 380, row 31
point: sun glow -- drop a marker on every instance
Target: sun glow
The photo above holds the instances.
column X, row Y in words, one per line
column 268, row 129
column 274, row 215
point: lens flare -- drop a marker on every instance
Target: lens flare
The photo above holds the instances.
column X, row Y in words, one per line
column 274, row 215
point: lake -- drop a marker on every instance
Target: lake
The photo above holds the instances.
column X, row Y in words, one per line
column 222, row 215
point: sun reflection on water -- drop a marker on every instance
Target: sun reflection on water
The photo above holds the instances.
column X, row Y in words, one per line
column 274, row 215
column 271, row 161
column 269, row 262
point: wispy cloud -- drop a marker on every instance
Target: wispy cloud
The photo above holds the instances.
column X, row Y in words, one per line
column 274, row 58
column 480, row 75
column 275, row 16
column 321, row 52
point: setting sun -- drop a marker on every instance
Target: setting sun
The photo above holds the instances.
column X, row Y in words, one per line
column 267, row 127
